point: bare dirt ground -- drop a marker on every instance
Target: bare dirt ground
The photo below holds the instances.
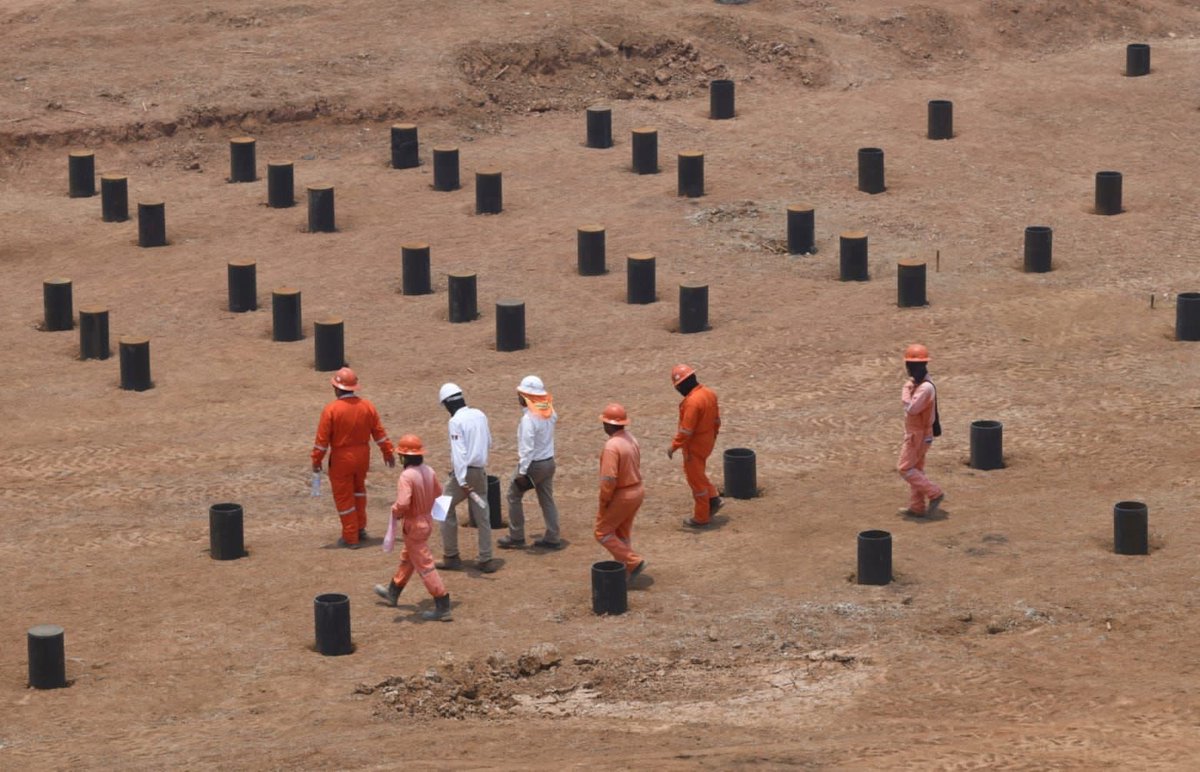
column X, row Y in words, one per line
column 1012, row 636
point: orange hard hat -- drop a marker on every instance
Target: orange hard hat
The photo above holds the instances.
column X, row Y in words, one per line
column 345, row 379
column 410, row 445
column 915, row 352
column 679, row 372
column 614, row 414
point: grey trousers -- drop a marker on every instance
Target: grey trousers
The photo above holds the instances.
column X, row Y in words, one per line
column 542, row 474
column 477, row 479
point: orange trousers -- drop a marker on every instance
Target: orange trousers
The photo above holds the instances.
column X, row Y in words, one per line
column 697, row 480
column 417, row 557
column 348, row 478
column 911, row 467
column 614, row 525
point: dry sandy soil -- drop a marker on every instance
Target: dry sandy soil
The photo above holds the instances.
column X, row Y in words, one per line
column 1012, row 637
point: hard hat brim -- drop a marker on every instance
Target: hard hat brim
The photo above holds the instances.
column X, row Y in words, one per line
column 343, row 386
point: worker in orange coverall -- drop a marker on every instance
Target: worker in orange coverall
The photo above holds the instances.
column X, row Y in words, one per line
column 621, row 491
column 699, row 425
column 416, row 491
column 919, row 398
column 347, row 426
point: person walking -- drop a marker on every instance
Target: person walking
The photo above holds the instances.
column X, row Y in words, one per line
column 621, row 491
column 470, row 440
column 347, row 426
column 699, row 425
column 416, row 490
column 535, row 466
column 919, row 398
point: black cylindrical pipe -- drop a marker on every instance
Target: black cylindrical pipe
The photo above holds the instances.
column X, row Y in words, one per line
column 639, row 279
column 285, row 315
column 329, row 342
column 691, row 173
column 910, row 283
column 81, row 173
column 114, row 198
column 495, row 512
column 987, row 445
column 645, row 150
column 874, row 557
column 1131, row 523
column 47, row 657
column 243, row 285
column 852, row 256
column 242, row 164
column 135, row 364
column 1108, row 193
column 510, row 325
column 1039, row 246
column 225, row 538
column 590, row 248
column 1137, row 59
column 599, row 126
column 720, row 99
column 331, row 613
column 693, row 308
column 93, row 332
column 1187, row 316
column 741, row 474
column 609, row 591
column 58, row 310
column 489, row 192
column 320, row 209
column 281, row 185
column 941, row 119
column 415, row 278
column 870, row 170
column 801, row 229
column 152, row 224
column 405, row 149
column 463, row 299
column 445, row 168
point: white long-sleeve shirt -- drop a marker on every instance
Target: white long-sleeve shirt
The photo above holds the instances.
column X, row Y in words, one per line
column 535, row 439
column 470, row 439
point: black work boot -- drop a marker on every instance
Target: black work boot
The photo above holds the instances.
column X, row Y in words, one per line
column 450, row 563
column 391, row 593
column 441, row 610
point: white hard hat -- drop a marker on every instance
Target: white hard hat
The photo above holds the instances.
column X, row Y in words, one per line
column 447, row 391
column 532, row 385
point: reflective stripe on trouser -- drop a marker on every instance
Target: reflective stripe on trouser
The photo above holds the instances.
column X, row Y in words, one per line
column 477, row 479
column 911, row 467
column 702, row 487
column 614, row 525
column 416, row 557
column 542, row 474
column 348, row 478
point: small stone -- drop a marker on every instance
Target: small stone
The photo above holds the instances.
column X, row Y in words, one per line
column 662, row 77
column 364, row 689
column 965, row 617
column 711, row 634
column 994, row 627
column 433, row 676
column 582, row 660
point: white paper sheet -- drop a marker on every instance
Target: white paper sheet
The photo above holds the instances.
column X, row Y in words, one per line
column 441, row 506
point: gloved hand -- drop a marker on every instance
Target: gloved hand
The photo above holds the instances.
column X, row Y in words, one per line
column 389, row 458
column 523, row 482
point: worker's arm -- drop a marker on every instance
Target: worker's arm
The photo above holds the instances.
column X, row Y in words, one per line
column 688, row 418
column 916, row 398
column 458, row 453
column 403, row 503
column 379, row 434
column 321, row 443
column 716, row 418
column 610, row 464
column 524, row 444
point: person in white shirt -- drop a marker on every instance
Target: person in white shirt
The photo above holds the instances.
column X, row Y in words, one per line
column 470, row 440
column 535, row 466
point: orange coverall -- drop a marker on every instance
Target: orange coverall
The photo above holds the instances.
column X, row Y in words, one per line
column 918, row 436
column 621, row 495
column 347, row 426
column 416, row 489
column 699, row 424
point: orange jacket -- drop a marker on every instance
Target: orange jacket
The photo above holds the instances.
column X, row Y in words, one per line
column 349, row 423
column 620, row 464
column 699, row 422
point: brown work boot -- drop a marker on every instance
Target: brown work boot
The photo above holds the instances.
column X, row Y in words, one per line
column 450, row 563
column 441, row 610
column 489, row 566
column 714, row 505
